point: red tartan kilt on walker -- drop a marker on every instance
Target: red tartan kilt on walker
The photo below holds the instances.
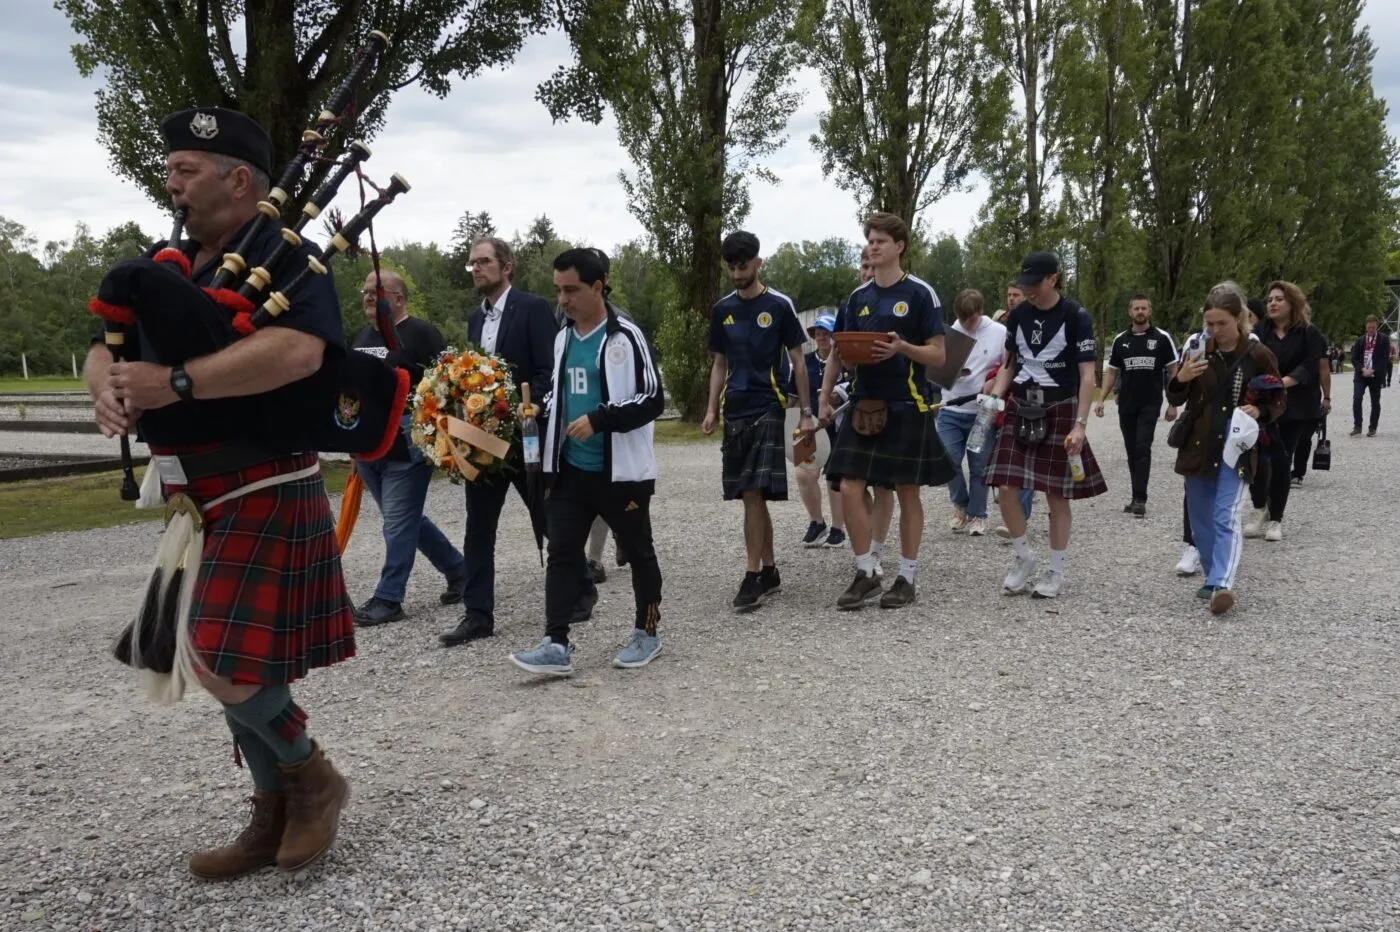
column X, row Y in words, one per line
column 268, row 601
column 1045, row 466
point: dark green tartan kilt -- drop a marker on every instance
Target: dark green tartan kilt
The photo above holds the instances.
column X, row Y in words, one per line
column 906, row 452
column 753, row 457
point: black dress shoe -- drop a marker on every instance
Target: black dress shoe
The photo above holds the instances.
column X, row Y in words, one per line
column 453, row 593
column 1140, row 509
column 469, row 628
column 378, row 611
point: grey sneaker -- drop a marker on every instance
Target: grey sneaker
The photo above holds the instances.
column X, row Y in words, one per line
column 1019, row 577
column 547, row 658
column 1049, row 586
column 902, row 593
column 640, row 650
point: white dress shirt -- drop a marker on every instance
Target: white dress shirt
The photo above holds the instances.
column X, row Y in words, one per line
column 492, row 325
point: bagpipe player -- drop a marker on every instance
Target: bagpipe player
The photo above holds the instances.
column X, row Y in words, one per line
column 269, row 601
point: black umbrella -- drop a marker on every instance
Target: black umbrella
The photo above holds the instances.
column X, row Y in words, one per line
column 534, row 482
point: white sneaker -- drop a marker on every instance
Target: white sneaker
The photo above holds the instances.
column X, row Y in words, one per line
column 1190, row 563
column 977, row 527
column 1273, row 531
column 1049, row 586
column 1019, row 577
column 958, row 521
column 1254, row 525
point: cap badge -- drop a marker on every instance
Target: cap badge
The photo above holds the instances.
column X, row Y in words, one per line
column 204, row 125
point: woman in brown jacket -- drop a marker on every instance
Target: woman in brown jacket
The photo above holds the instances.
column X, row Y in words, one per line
column 1213, row 386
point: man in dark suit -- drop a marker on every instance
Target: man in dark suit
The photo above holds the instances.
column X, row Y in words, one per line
column 1370, row 357
column 520, row 328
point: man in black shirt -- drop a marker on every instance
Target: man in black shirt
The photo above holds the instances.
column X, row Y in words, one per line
column 1041, row 443
column 400, row 486
column 1146, row 357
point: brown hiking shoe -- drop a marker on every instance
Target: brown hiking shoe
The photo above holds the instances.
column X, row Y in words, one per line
column 255, row 848
column 315, row 794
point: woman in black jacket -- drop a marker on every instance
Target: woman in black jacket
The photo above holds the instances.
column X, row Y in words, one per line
column 1299, row 348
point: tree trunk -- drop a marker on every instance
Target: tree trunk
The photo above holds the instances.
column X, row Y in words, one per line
column 701, row 279
column 1031, row 10
column 1108, row 144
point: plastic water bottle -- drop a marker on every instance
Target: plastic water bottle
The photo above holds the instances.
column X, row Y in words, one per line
column 1076, row 465
column 981, row 433
column 529, row 435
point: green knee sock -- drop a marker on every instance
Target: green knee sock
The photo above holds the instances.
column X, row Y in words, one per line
column 262, row 763
column 276, row 721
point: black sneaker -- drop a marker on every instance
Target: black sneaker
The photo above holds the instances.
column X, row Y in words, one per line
column 378, row 611
column 772, row 582
column 902, row 593
column 863, row 588
column 836, row 538
column 815, row 530
column 1128, row 508
column 1140, row 509
column 596, row 572
column 453, row 593
column 750, row 593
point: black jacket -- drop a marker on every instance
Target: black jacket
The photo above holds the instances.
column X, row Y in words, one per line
column 1299, row 353
column 1380, row 356
column 525, row 339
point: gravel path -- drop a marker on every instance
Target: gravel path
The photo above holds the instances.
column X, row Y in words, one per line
column 1117, row 759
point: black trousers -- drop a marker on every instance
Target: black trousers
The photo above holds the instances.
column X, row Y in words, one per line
column 485, row 498
column 575, row 500
column 1271, row 480
column 1186, row 537
column 1302, row 455
column 1360, row 388
column 1139, row 427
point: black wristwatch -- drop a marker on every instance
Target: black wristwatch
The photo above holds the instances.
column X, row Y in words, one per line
column 180, row 382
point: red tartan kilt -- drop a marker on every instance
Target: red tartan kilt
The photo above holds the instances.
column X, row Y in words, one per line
column 269, row 601
column 1044, row 467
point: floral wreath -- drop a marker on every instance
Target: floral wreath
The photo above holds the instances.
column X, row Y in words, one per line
column 464, row 413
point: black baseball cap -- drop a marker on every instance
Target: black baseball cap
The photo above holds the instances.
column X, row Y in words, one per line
column 219, row 130
column 1036, row 266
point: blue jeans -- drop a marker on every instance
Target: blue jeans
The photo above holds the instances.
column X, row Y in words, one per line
column 400, row 489
column 968, row 494
column 1214, row 505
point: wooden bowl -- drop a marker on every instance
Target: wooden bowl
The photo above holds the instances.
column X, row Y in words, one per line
column 855, row 346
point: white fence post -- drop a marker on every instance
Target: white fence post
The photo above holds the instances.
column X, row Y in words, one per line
column 24, row 365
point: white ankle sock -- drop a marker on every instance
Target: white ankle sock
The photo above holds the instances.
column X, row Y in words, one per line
column 865, row 562
column 1057, row 561
column 877, row 547
column 908, row 568
column 1023, row 549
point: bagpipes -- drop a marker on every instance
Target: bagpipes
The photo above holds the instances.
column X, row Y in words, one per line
column 354, row 402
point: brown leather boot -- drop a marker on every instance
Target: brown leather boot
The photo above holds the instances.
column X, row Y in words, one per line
column 315, row 794
column 255, row 848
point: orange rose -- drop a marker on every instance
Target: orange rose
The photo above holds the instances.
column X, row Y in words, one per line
column 476, row 404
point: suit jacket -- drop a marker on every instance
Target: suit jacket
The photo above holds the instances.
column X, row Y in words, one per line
column 525, row 339
column 1380, row 358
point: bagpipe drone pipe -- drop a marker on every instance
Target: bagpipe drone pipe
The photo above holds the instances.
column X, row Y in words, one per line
column 354, row 403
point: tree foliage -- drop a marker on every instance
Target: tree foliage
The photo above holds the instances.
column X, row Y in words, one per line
column 276, row 61
column 699, row 90
column 902, row 78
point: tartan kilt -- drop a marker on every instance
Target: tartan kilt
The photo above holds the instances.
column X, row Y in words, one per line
column 269, row 600
column 906, row 452
column 754, row 457
column 1044, row 467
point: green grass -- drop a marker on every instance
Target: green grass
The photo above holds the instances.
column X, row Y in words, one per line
column 14, row 385
column 80, row 503
column 678, row 431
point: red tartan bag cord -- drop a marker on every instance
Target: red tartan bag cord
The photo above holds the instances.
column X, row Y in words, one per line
column 164, row 614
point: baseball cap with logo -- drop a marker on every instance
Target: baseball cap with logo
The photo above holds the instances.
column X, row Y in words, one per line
column 825, row 322
column 1244, row 433
column 1036, row 266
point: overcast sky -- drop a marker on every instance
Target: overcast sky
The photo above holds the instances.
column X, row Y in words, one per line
column 488, row 146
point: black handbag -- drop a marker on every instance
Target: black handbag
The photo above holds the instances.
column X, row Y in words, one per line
column 1322, row 453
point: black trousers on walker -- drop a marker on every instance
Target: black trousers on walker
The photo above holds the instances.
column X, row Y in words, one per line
column 576, row 498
